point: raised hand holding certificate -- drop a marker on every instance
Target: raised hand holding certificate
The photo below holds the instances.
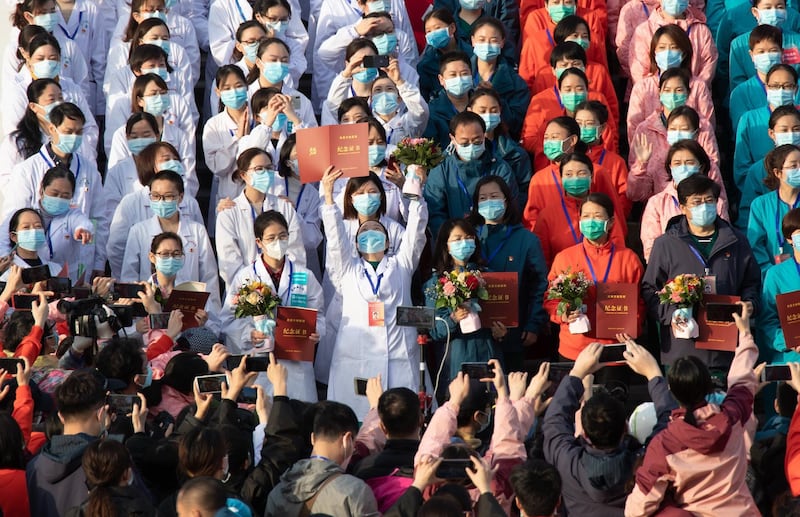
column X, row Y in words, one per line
column 788, row 305
column 189, row 297
column 293, row 326
column 617, row 310
column 345, row 146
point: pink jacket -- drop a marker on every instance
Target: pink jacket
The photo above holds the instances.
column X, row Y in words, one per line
column 646, row 179
column 703, row 467
column 704, row 61
column 659, row 210
column 645, row 100
column 632, row 14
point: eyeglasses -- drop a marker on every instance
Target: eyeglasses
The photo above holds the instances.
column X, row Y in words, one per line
column 165, row 197
column 698, row 202
column 260, row 168
column 169, row 254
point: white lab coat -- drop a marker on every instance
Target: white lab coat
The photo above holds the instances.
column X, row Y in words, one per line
column 362, row 350
column 307, row 203
column 86, row 29
column 121, row 180
column 182, row 141
column 337, row 19
column 55, row 269
column 177, row 59
column 301, row 384
column 199, row 263
column 396, row 204
column 132, row 209
column 61, row 246
column 220, row 145
column 15, row 102
column 196, row 11
column 25, row 183
column 12, row 156
column 120, row 81
column 179, row 114
column 236, row 243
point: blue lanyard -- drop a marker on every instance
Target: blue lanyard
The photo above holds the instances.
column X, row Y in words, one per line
column 49, row 239
column 464, row 189
column 455, row 110
column 550, row 38
column 241, row 13
column 51, row 164
column 778, row 218
column 252, row 212
column 577, row 238
column 75, row 32
column 375, row 288
column 608, row 267
column 299, row 196
column 700, row 258
column 602, row 157
column 674, row 200
column 646, row 10
column 476, row 79
column 688, row 30
column 494, row 253
column 291, row 277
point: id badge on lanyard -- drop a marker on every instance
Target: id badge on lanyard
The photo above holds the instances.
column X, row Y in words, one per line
column 298, row 292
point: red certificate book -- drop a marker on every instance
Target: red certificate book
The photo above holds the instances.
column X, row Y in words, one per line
column 617, row 310
column 716, row 335
column 189, row 297
column 789, row 314
column 293, row 326
column 503, row 302
column 345, row 146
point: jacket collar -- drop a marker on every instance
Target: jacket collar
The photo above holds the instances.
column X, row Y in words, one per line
column 678, row 227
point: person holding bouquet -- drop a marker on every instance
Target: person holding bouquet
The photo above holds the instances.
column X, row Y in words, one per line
column 272, row 279
column 577, row 270
column 373, row 285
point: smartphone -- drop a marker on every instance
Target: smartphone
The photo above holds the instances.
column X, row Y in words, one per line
column 256, row 363
column 248, row 395
column 722, row 311
column 60, row 285
column 32, row 275
column 418, row 317
column 375, row 61
column 558, row 372
column 159, row 321
column 296, row 102
column 612, row 353
column 128, row 290
column 23, row 302
column 233, row 361
column 360, row 385
column 9, row 364
column 81, row 293
column 776, row 372
column 453, row 469
column 478, row 370
column 122, row 404
column 210, row 383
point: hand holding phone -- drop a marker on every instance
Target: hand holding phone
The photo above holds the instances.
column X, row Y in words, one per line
column 612, row 353
column 453, row 469
column 210, row 383
column 478, row 370
column 31, row 275
column 776, row 372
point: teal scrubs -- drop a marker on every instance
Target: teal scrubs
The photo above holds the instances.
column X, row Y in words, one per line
column 513, row 91
column 764, row 229
column 520, row 162
column 428, row 69
column 781, row 279
column 752, row 142
column 741, row 64
column 440, row 110
column 749, row 95
column 753, row 187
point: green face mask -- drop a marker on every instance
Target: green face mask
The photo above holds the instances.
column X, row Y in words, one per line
column 593, row 229
column 553, row 149
column 590, row 134
column 582, row 42
column 572, row 99
column 576, row 186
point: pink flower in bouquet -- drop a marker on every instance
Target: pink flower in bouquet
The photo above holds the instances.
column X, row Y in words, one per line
column 676, row 297
column 449, row 289
column 235, row 299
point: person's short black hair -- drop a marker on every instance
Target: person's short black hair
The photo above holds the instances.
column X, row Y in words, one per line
column 398, row 409
column 567, row 50
column 567, row 26
column 464, row 118
column 689, row 380
column 334, row 419
column 204, row 493
column 16, row 328
column 492, row 22
column 80, row 393
column 602, row 199
column 787, row 399
column 698, row 185
column 181, row 370
column 66, row 110
column 452, row 56
column 171, row 176
column 351, row 103
column 266, row 219
column 537, row 486
column 121, row 358
column 478, row 399
column 603, row 418
column 597, row 108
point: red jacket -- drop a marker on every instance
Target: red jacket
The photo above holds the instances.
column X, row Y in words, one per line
column 526, row 7
column 624, row 268
column 14, row 493
column 792, row 465
column 31, row 345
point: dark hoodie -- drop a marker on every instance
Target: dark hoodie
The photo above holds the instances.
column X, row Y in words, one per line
column 56, row 481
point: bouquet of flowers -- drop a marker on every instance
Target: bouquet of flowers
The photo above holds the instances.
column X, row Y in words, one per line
column 257, row 299
column 570, row 288
column 457, row 288
column 419, row 155
column 684, row 291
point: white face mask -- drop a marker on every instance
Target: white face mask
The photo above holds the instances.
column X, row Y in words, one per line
column 277, row 249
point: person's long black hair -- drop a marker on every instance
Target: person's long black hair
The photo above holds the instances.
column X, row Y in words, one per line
column 28, row 136
column 442, row 260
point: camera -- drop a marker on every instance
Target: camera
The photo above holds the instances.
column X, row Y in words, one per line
column 87, row 317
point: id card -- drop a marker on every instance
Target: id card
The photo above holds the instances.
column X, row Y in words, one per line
column 375, row 314
column 711, row 284
column 791, row 56
column 298, row 297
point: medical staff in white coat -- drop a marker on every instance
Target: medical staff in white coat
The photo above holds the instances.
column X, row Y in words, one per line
column 295, row 285
column 344, row 19
column 248, row 35
column 151, row 59
column 135, row 206
column 235, row 246
column 65, row 128
column 30, row 134
column 42, row 62
column 26, row 231
column 198, row 265
column 398, row 106
column 305, row 200
column 373, row 285
column 195, row 11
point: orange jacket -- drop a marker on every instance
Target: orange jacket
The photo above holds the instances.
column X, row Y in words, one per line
column 544, row 107
column 526, row 7
column 599, row 80
column 612, row 170
column 625, row 268
column 31, row 345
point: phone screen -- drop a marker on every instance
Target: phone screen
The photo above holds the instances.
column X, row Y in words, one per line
column 453, row 469
column 722, row 311
column 558, row 372
column 31, row 275
column 612, row 353
column 9, row 364
column 159, row 321
column 360, row 386
column 256, row 363
column 248, row 395
column 478, row 370
column 233, row 361
column 23, row 302
column 776, row 372
column 122, row 404
column 419, row 317
column 210, row 383
column 128, row 290
column 59, row 285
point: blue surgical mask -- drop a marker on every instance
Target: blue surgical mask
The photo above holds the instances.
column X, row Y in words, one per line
column 763, row 62
column 234, row 98
column 262, row 180
column 791, row 137
column 278, row 28
column 438, row 38
column 160, row 43
column 31, row 239
column 487, row 51
column 250, row 51
column 160, row 71
column 385, row 43
column 169, row 4
column 792, row 177
column 55, row 206
column 47, row 21
column 156, row 105
column 492, row 209
column 780, row 97
column 668, row 58
column 367, row 204
column 49, row 108
column 378, row 6
column 137, row 145
column 458, row 86
column 47, row 69
column 275, row 71
column 169, row 266
column 68, row 143
column 164, row 209
column 294, row 164
column 148, row 379
column 470, row 152
column 155, row 14
column 774, row 17
column 492, row 120
column 173, row 165
column 366, row 76
column 371, row 241
column 385, row 103
column 674, row 8
column 463, row 249
column 676, row 135
column 584, row 43
column 280, row 122
column 472, row 4
column 796, row 241
column 704, row 215
column 681, row 172
column 377, row 153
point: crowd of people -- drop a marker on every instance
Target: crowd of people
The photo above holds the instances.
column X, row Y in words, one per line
column 151, row 160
